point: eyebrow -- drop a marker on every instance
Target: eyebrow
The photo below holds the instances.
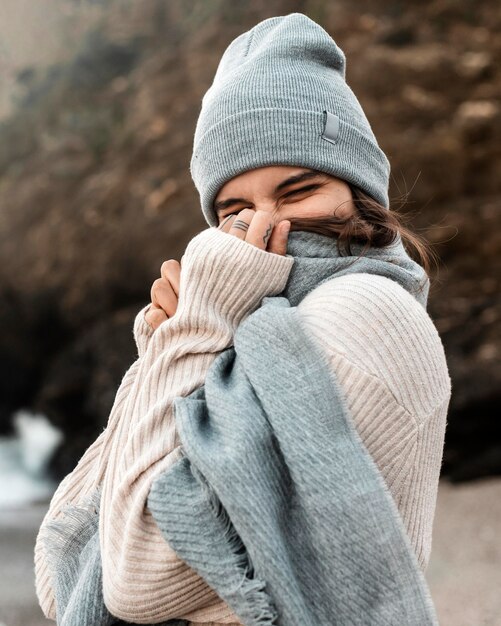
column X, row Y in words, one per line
column 297, row 178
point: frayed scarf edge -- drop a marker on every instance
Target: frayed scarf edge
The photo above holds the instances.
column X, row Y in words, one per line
column 260, row 610
column 67, row 534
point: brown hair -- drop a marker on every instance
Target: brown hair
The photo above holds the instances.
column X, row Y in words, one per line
column 373, row 225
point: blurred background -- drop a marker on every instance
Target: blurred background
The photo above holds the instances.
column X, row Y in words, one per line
column 98, row 105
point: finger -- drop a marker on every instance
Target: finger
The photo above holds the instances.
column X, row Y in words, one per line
column 260, row 229
column 226, row 223
column 163, row 296
column 240, row 226
column 279, row 238
column 171, row 270
column 155, row 316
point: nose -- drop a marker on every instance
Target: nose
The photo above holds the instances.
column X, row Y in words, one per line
column 265, row 207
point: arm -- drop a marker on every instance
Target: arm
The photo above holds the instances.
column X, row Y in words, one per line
column 223, row 279
column 90, row 470
column 386, row 354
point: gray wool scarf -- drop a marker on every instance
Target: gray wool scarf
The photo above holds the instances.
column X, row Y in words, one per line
column 286, row 534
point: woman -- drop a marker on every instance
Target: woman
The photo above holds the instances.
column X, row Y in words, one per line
column 281, row 143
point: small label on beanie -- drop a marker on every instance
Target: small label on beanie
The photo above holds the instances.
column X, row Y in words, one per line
column 331, row 127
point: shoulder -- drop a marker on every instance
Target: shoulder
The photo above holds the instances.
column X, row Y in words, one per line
column 381, row 329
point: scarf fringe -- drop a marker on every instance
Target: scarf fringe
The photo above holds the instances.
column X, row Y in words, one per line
column 259, row 610
column 69, row 533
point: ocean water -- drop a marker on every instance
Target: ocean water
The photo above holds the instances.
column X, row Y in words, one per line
column 24, row 458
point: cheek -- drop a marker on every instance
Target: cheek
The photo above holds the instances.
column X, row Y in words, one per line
column 318, row 205
column 333, row 204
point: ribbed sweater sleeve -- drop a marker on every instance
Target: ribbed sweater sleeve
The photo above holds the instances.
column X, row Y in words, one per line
column 74, row 487
column 223, row 279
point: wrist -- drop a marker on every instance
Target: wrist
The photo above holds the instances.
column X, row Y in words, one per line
column 142, row 331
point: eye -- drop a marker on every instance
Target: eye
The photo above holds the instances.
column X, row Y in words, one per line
column 290, row 193
column 307, row 188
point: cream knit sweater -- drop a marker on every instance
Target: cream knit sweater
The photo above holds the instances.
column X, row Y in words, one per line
column 381, row 345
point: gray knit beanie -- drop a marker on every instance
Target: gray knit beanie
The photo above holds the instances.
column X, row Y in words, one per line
column 279, row 97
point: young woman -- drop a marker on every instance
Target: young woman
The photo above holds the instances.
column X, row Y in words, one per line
column 281, row 145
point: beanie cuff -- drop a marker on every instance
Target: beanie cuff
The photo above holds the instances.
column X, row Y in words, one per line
column 273, row 136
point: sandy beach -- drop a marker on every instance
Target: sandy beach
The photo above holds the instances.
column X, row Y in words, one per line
column 464, row 572
column 465, row 567
column 18, row 602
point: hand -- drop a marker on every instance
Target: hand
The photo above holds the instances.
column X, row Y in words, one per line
column 164, row 294
column 256, row 227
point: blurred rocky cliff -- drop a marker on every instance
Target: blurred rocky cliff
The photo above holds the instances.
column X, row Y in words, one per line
column 95, row 191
